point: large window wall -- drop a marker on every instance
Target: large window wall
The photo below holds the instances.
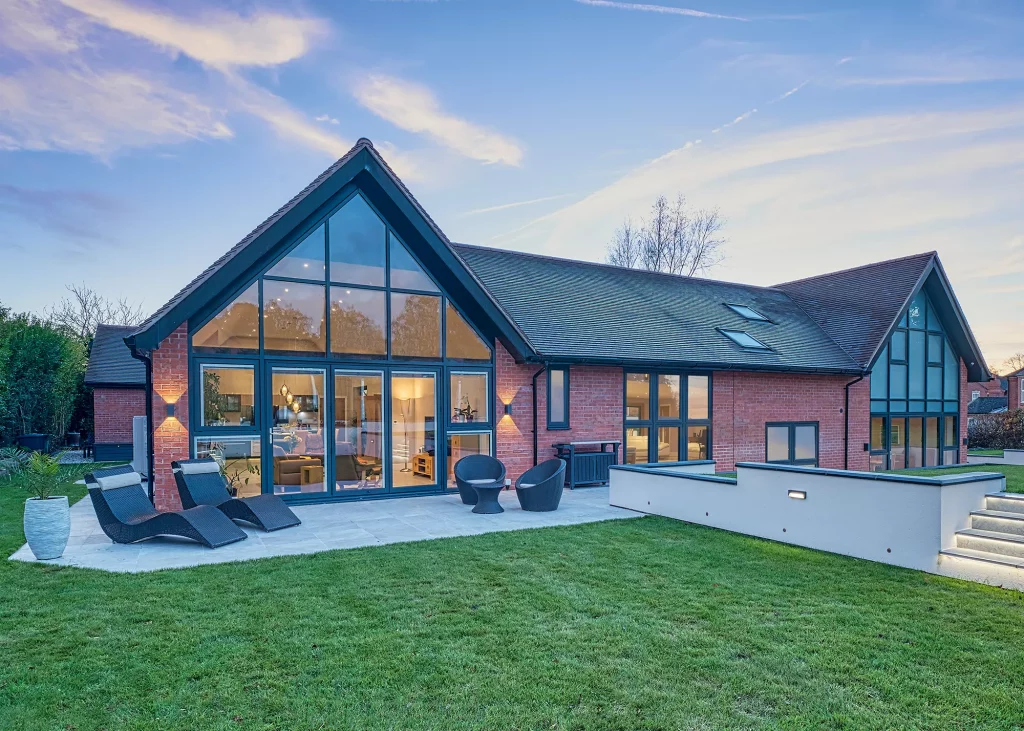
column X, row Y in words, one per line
column 915, row 394
column 667, row 417
column 342, row 370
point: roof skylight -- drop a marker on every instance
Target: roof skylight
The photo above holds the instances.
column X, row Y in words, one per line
column 744, row 340
column 748, row 312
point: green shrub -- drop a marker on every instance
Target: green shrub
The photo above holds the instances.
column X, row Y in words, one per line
column 997, row 431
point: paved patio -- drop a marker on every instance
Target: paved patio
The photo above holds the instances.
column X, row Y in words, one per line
column 324, row 528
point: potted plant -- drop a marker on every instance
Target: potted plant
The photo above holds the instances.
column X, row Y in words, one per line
column 47, row 516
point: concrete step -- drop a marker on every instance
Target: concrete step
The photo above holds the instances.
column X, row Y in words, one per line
column 1007, row 502
column 983, row 556
column 1003, row 544
column 998, row 521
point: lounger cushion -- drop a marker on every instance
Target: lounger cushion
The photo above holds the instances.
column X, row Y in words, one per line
column 198, row 468
column 481, row 482
column 527, row 484
column 113, row 482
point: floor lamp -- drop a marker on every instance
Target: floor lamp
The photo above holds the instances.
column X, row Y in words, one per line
column 405, row 433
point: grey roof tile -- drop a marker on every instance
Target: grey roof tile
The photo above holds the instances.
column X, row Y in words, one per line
column 987, row 405
column 857, row 307
column 111, row 362
column 581, row 310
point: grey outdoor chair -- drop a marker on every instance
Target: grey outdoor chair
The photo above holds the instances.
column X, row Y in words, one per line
column 477, row 469
column 127, row 515
column 539, row 489
column 200, row 482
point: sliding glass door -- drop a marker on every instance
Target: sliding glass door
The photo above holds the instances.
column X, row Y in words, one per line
column 359, row 465
column 414, row 455
column 297, row 431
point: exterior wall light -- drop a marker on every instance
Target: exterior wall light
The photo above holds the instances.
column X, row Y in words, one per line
column 170, row 411
column 508, row 409
column 798, row 494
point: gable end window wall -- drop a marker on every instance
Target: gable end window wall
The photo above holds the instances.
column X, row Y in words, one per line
column 915, row 394
column 342, row 371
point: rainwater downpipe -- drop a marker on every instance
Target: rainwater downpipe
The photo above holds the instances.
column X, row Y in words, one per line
column 535, row 376
column 846, row 423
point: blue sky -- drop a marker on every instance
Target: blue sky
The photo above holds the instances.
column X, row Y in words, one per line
column 139, row 140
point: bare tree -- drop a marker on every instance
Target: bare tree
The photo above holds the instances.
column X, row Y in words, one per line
column 80, row 313
column 674, row 239
column 1014, row 363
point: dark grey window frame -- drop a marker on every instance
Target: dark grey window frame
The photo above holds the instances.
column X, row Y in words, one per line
column 792, row 425
column 563, row 424
column 684, row 422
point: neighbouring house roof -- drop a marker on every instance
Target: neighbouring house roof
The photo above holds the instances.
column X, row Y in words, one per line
column 111, row 362
column 572, row 310
column 987, row 405
column 859, row 307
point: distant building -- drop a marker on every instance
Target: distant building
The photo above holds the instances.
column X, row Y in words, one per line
column 118, row 381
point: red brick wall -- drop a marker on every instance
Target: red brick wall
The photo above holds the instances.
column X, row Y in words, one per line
column 986, row 388
column 170, row 434
column 595, row 410
column 742, row 403
column 1013, row 392
column 113, row 410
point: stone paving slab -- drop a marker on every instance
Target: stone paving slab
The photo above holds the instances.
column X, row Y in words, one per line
column 324, row 528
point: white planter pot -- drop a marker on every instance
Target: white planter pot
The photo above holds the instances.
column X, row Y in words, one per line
column 47, row 526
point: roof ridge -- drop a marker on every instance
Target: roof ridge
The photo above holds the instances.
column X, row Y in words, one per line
column 856, row 268
column 614, row 267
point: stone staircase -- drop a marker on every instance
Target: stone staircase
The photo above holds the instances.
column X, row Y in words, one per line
column 996, row 534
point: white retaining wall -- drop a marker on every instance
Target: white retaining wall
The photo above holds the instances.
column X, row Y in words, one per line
column 896, row 519
column 1010, row 456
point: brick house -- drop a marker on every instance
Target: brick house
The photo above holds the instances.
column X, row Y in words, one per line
column 1015, row 390
column 995, row 388
column 118, row 383
column 346, row 349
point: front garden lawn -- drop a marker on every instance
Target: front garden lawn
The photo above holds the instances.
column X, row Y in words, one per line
column 1014, row 473
column 985, row 452
column 647, row 623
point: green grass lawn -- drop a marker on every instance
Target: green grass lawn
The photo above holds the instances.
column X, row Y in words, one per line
column 1014, row 474
column 985, row 452
column 647, row 623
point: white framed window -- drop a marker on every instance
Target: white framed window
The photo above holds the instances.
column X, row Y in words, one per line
column 975, row 395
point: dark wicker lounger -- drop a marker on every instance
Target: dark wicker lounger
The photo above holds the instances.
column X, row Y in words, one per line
column 200, row 482
column 126, row 514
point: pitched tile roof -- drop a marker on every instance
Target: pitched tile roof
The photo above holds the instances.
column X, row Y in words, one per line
column 987, row 405
column 858, row 306
column 577, row 310
column 111, row 362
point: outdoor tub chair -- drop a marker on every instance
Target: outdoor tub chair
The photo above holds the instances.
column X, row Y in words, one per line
column 126, row 514
column 539, row 489
column 477, row 469
column 200, row 483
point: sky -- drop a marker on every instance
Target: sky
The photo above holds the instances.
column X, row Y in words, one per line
column 139, row 140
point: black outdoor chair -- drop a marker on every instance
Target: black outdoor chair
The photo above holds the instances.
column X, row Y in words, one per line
column 539, row 489
column 200, row 483
column 126, row 514
column 477, row 469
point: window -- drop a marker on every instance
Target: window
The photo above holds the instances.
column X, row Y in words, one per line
column 468, row 398
column 792, row 443
column 297, row 431
column 239, row 460
column 415, row 326
column 461, row 341
column 293, row 318
column 358, row 430
column 413, row 429
column 463, row 444
column 406, row 273
column 558, row 398
column 229, row 393
column 667, row 417
column 305, row 260
column 975, row 395
column 358, row 321
column 748, row 312
column 236, row 328
column 357, row 241
column 744, row 340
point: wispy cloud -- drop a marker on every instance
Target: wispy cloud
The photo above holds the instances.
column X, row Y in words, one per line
column 517, row 204
column 77, row 214
column 99, row 112
column 933, row 70
column 414, row 108
column 737, row 120
column 215, row 38
column 326, row 118
column 663, row 9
